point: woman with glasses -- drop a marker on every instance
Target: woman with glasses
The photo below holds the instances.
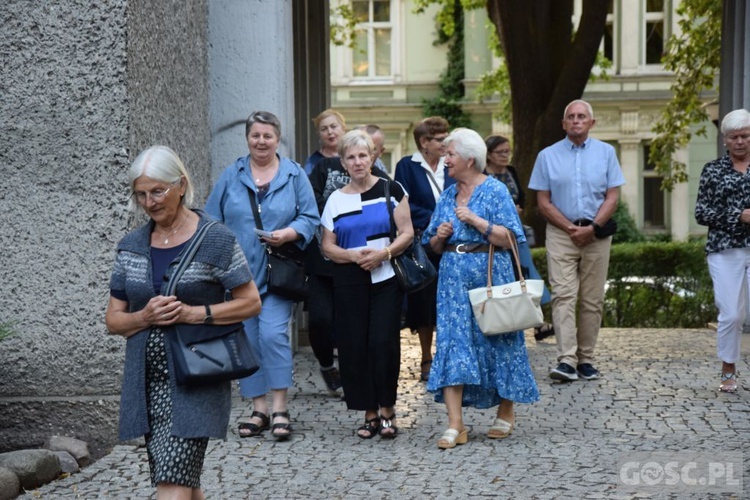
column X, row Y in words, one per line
column 424, row 177
column 176, row 420
column 287, row 209
column 499, row 167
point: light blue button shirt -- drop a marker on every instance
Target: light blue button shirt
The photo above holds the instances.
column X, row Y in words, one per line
column 577, row 177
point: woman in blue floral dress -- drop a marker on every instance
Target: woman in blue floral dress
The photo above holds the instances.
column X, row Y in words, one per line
column 470, row 369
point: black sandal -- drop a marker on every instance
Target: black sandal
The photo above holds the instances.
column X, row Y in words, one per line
column 544, row 331
column 425, row 375
column 254, row 429
column 284, row 426
column 371, row 425
column 385, row 424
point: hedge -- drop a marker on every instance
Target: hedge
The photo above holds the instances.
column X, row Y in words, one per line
column 654, row 285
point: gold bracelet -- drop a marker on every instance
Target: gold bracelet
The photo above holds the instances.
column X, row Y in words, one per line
column 388, row 251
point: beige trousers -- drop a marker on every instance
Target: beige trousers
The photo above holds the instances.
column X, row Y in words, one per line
column 576, row 275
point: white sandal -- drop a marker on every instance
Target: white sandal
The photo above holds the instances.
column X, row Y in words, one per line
column 500, row 429
column 728, row 382
column 452, row 437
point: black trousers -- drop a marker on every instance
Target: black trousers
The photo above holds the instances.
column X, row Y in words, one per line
column 320, row 318
column 367, row 319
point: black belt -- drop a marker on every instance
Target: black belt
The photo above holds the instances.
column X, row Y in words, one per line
column 583, row 222
column 467, row 248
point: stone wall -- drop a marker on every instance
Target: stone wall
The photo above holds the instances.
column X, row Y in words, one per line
column 86, row 84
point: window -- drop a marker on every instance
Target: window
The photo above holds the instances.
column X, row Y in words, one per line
column 654, row 216
column 654, row 35
column 371, row 57
column 608, row 41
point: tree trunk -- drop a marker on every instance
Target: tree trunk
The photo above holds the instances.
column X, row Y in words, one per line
column 548, row 68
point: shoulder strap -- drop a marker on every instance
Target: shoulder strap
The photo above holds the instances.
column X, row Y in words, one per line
column 187, row 257
column 432, row 179
column 390, row 209
column 254, row 206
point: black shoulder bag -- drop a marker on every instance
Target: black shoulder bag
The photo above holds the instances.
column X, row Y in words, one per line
column 204, row 353
column 413, row 268
column 285, row 271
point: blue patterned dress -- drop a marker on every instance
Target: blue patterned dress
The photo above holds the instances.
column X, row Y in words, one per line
column 489, row 368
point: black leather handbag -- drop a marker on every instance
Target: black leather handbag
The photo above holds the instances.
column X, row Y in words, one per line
column 413, row 268
column 205, row 354
column 285, row 271
column 608, row 229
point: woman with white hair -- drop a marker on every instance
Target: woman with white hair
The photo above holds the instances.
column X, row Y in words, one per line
column 176, row 420
column 724, row 206
column 470, row 369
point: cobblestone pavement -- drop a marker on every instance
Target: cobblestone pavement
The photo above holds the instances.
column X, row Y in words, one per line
column 658, row 393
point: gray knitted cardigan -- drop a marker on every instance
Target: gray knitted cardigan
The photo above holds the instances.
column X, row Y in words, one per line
column 218, row 265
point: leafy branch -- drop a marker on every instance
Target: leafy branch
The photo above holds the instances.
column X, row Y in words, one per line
column 694, row 56
column 343, row 26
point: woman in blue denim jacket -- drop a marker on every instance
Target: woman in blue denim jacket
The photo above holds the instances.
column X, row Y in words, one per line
column 288, row 211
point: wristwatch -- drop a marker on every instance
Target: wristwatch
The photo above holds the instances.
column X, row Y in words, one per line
column 596, row 226
column 209, row 319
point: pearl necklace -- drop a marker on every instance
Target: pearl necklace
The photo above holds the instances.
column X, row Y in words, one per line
column 169, row 234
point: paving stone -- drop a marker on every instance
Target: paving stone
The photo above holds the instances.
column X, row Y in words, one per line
column 658, row 393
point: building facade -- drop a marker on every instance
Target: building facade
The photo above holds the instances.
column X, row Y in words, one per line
column 395, row 65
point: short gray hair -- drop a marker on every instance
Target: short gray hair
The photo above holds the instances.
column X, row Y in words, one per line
column 264, row 117
column 356, row 138
column 469, row 145
column 579, row 101
column 735, row 120
column 163, row 165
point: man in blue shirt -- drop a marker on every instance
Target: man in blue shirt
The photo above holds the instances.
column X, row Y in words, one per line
column 577, row 181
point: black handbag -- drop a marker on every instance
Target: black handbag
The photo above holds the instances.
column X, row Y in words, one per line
column 203, row 353
column 608, row 229
column 413, row 268
column 285, row 270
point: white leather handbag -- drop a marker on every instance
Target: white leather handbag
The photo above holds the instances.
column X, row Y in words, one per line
column 511, row 307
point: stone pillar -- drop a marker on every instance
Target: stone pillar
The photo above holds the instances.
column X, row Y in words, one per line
column 679, row 204
column 250, row 54
column 734, row 87
column 631, row 170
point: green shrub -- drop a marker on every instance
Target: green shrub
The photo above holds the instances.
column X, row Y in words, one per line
column 627, row 231
column 654, row 285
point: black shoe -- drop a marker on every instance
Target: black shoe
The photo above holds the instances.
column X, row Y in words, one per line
column 587, row 371
column 564, row 372
column 544, row 331
column 332, row 378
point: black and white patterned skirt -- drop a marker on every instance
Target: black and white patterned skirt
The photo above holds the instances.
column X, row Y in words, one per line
column 171, row 459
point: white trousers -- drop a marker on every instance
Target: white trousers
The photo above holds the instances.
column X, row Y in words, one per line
column 729, row 271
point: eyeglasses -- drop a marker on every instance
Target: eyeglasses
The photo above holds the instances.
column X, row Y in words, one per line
column 158, row 195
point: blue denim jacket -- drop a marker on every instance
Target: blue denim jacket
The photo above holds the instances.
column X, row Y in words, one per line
column 289, row 202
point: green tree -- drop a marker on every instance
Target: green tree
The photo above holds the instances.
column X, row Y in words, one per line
column 695, row 57
column 448, row 103
column 548, row 65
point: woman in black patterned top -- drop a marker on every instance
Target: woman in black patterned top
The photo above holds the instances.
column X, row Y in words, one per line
column 724, row 206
